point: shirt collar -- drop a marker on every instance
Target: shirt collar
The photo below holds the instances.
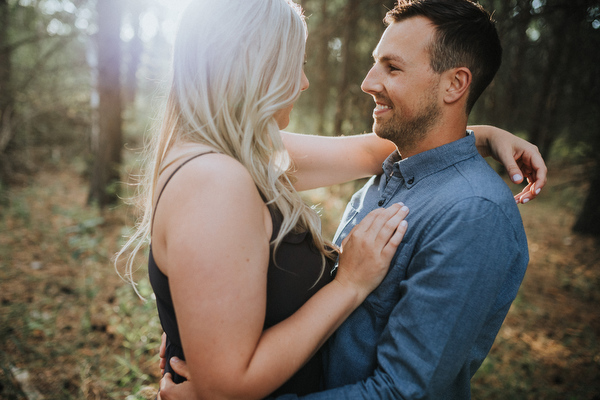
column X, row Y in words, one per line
column 421, row 165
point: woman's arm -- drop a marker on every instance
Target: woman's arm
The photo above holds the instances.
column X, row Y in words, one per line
column 323, row 160
column 520, row 158
column 326, row 160
column 215, row 241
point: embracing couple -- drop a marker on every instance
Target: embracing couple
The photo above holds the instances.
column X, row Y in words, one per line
column 407, row 300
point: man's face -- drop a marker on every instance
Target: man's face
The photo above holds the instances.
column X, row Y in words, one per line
column 403, row 85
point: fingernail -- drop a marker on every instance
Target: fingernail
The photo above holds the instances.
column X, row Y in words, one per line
column 516, row 177
column 400, row 203
column 538, row 191
column 525, row 201
column 403, row 223
column 175, row 360
column 404, row 208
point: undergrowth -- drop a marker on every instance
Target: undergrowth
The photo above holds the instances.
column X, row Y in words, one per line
column 80, row 332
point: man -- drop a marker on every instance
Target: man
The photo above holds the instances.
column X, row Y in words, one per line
column 427, row 328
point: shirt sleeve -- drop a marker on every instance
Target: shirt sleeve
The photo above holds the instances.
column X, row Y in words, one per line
column 453, row 301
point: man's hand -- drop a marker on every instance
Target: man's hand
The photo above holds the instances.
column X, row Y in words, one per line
column 171, row 391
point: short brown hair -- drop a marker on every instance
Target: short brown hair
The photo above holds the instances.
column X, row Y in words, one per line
column 465, row 36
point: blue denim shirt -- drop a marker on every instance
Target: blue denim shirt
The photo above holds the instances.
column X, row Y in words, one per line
column 427, row 328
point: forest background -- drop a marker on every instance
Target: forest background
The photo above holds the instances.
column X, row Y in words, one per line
column 81, row 85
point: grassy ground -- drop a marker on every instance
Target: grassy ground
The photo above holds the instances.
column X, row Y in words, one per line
column 71, row 329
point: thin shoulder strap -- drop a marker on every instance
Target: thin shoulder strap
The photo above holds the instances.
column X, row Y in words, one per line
column 167, row 182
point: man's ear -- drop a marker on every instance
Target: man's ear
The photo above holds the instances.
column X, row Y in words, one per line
column 458, row 83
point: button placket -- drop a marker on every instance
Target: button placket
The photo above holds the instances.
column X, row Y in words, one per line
column 391, row 187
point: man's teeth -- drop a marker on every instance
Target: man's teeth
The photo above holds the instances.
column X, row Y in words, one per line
column 382, row 107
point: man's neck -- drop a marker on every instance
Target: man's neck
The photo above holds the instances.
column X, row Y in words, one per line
column 441, row 134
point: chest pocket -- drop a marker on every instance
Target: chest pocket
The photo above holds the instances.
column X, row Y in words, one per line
column 383, row 299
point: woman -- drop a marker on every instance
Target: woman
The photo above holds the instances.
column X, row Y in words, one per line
column 238, row 263
column 224, row 215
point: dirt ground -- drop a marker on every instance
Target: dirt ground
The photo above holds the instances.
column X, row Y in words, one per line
column 72, row 329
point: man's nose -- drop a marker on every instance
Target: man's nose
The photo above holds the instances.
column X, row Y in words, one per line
column 371, row 84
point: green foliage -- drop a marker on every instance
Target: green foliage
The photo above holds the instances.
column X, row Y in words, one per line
column 566, row 150
column 74, row 312
column 335, row 74
column 49, row 81
column 548, row 83
column 62, row 302
column 139, row 326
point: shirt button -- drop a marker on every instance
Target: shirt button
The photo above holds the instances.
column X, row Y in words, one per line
column 411, row 181
column 381, row 202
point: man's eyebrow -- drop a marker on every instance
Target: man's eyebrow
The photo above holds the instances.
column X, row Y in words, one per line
column 388, row 57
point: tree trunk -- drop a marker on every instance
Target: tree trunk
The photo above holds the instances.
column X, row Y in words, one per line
column 107, row 145
column 134, row 51
column 584, row 111
column 351, row 13
column 562, row 56
column 322, row 68
column 546, row 102
column 6, row 91
column 588, row 221
column 512, row 110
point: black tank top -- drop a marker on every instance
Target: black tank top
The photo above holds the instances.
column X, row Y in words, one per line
column 291, row 281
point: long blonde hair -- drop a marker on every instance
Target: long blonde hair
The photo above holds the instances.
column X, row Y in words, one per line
column 236, row 63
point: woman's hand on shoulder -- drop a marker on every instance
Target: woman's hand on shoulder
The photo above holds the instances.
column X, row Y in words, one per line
column 521, row 159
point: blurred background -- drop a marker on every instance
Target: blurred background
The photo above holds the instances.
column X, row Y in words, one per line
column 81, row 87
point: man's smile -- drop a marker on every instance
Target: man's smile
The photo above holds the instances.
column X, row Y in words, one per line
column 381, row 108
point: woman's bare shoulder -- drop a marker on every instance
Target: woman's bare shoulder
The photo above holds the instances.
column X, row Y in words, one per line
column 212, row 197
column 201, row 170
column 221, row 173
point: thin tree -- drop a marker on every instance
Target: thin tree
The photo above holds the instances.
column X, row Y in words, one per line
column 321, row 70
column 588, row 221
column 107, row 144
column 6, row 92
column 350, row 20
column 585, row 115
column 135, row 49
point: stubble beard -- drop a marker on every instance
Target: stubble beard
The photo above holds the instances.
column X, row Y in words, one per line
column 407, row 133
